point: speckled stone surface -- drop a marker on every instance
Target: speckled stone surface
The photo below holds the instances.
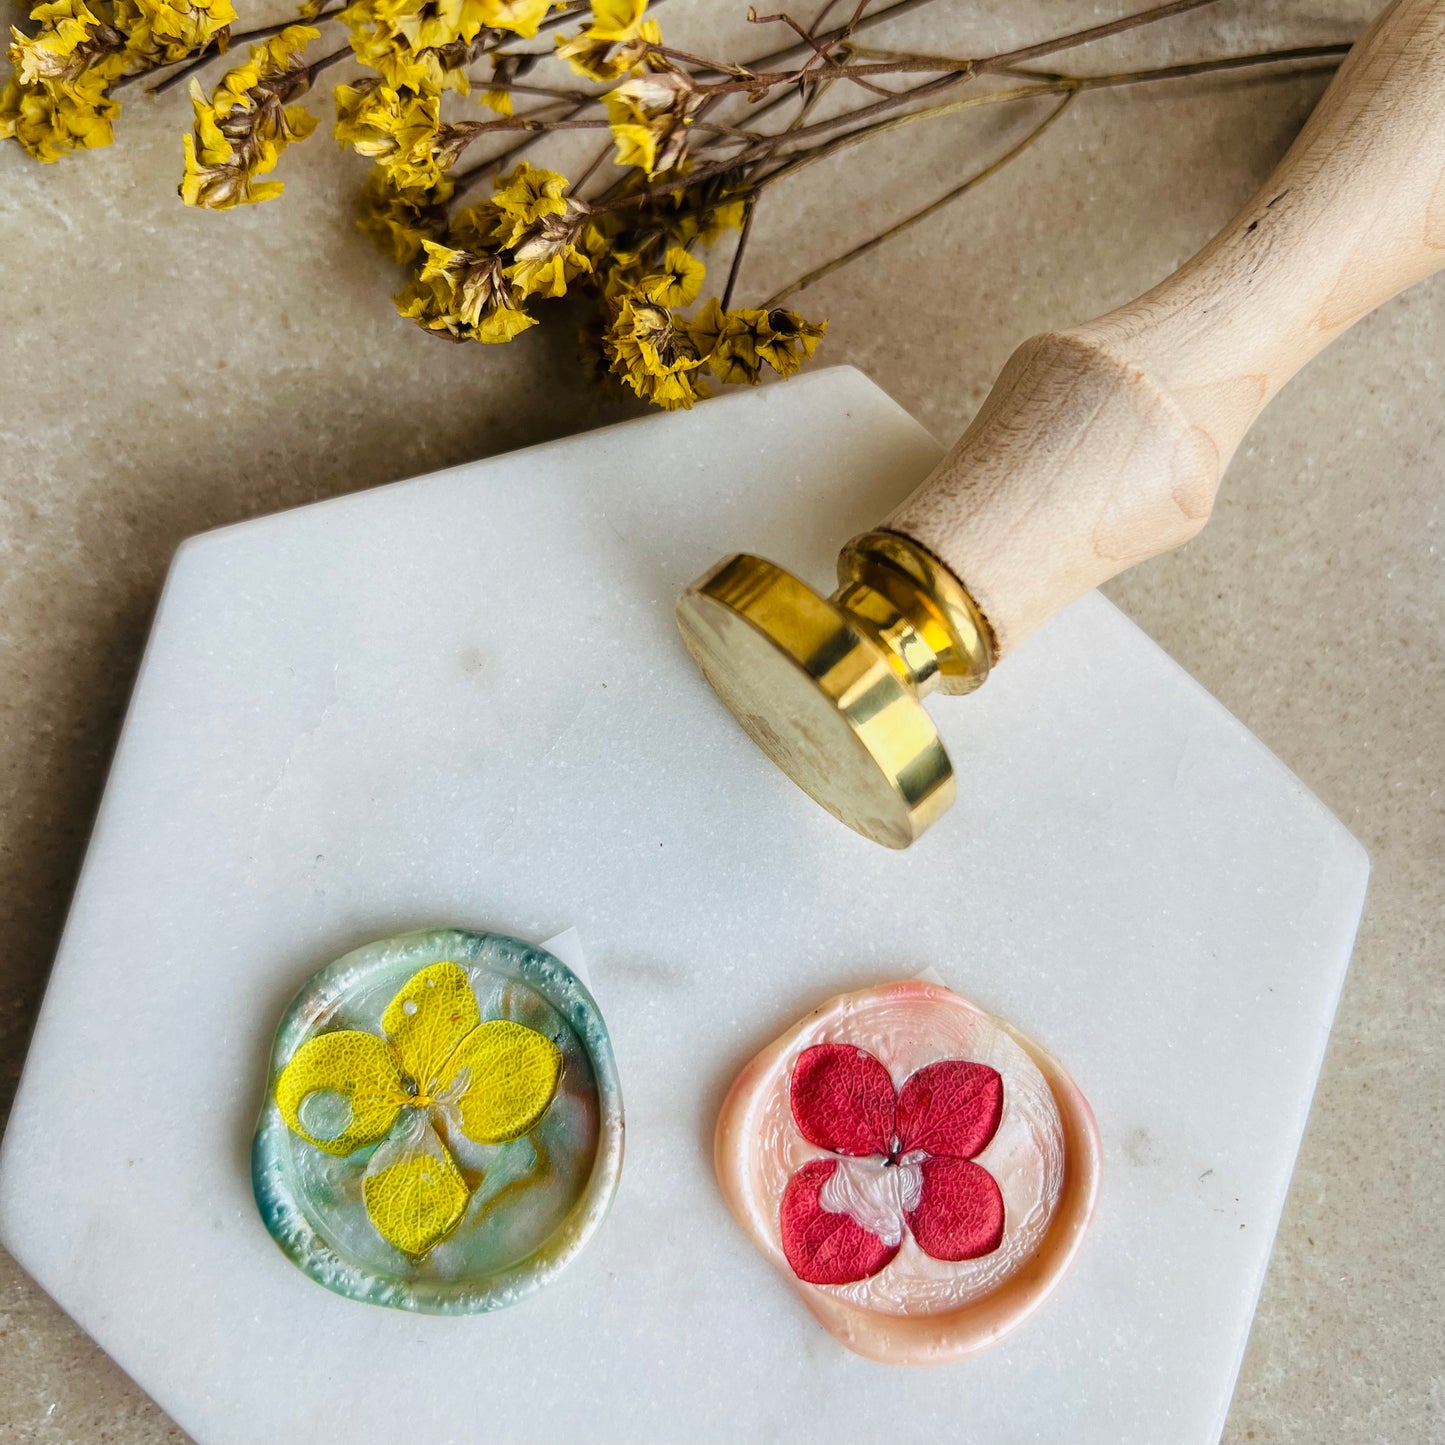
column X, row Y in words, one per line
column 163, row 371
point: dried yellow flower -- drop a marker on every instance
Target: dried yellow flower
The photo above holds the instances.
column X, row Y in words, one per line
column 653, row 355
column 548, row 254
column 521, row 17
column 619, row 39
column 59, row 97
column 525, row 196
column 243, row 128
column 463, row 296
column 726, row 339
column 421, row 24
column 70, row 38
column 650, row 116
column 784, row 339
column 399, row 221
column 402, row 130
column 160, row 32
column 679, row 281
column 49, row 118
column 736, row 344
column 431, row 68
column 480, row 227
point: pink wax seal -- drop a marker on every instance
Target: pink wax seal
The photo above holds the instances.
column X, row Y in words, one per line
column 920, row 1171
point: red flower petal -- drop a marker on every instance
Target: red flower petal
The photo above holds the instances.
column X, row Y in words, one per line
column 950, row 1108
column 823, row 1247
column 842, row 1099
column 960, row 1213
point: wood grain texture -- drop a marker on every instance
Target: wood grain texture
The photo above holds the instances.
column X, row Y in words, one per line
column 1104, row 445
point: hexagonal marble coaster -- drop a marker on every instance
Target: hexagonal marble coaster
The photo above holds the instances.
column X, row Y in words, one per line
column 462, row 700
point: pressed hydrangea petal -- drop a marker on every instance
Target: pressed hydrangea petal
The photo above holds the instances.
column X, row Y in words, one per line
column 341, row 1091
column 842, row 1099
column 434, row 1011
column 512, row 1073
column 415, row 1194
column 960, row 1214
column 951, row 1108
column 823, row 1247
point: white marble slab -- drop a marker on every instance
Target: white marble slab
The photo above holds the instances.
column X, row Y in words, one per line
column 462, row 700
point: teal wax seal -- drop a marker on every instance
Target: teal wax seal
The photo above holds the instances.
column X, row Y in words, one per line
column 442, row 1128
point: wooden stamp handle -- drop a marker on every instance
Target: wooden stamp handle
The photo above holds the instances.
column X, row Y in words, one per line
column 1103, row 445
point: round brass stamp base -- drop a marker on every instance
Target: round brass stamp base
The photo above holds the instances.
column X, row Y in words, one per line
column 832, row 702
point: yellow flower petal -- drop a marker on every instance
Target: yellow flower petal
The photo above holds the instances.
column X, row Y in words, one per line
column 617, row 19
column 435, row 1010
column 679, row 282
column 341, row 1091
column 417, row 1195
column 522, row 17
column 513, row 1073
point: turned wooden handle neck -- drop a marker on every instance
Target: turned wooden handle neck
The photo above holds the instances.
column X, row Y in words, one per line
column 1104, row 445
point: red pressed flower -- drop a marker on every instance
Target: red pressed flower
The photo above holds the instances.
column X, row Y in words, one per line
column 902, row 1160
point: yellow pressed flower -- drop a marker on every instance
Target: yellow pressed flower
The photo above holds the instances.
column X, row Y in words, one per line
column 653, row 355
column 548, row 255
column 521, row 17
column 679, row 281
column 463, row 295
column 160, row 32
column 398, row 221
column 525, row 196
column 242, row 129
column 650, row 116
column 439, row 1072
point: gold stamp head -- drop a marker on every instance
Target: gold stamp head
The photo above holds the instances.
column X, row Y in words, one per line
column 829, row 687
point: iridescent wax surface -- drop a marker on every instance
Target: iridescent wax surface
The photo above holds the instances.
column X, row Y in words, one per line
column 524, row 1207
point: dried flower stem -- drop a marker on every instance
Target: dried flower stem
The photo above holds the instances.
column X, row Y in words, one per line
column 468, row 178
column 1053, row 84
column 977, row 179
column 737, row 262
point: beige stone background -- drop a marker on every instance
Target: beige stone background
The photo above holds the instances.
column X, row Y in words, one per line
column 163, row 371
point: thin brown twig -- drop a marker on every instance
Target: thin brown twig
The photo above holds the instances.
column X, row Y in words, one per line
column 977, row 179
column 815, row 94
column 1003, row 59
column 1070, row 84
column 737, row 262
column 821, row 52
column 895, row 11
column 464, row 180
column 327, row 61
column 519, row 87
column 593, row 166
